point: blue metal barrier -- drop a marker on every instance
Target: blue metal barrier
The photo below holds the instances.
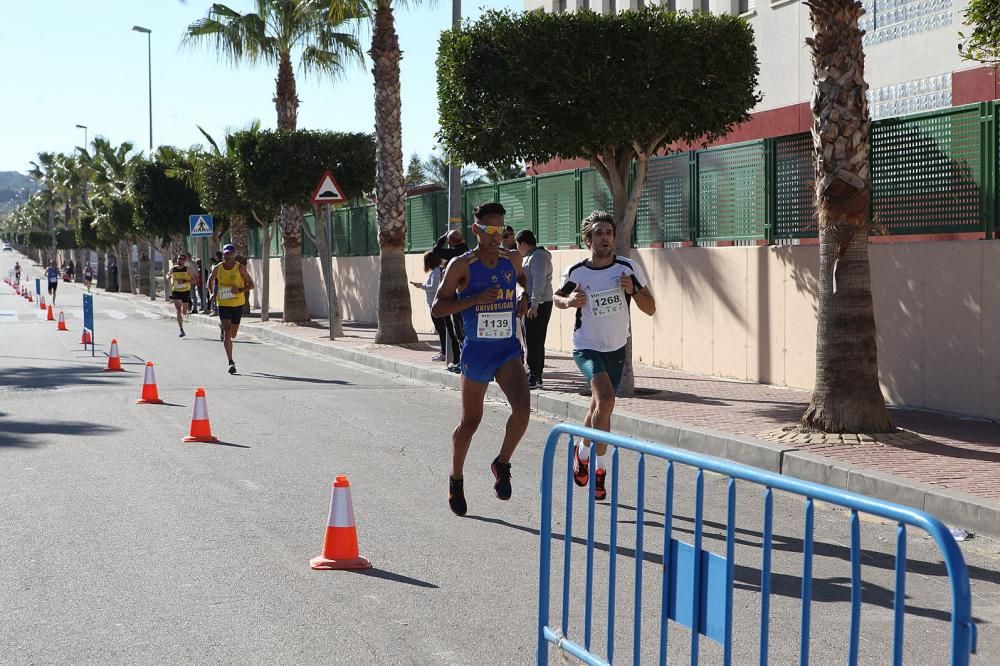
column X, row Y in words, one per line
column 696, row 589
column 88, row 322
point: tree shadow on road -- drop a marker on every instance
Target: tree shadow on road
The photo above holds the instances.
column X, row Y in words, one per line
column 393, row 577
column 24, row 434
column 39, row 378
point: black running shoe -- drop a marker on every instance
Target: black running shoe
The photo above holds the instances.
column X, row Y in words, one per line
column 232, row 368
column 456, row 496
column 501, row 472
column 599, row 492
column 181, row 334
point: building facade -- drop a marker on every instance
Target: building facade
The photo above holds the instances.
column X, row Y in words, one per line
column 912, row 63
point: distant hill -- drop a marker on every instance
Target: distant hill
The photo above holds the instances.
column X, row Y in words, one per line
column 15, row 188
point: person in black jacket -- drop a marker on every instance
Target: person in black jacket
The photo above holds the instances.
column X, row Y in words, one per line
column 447, row 247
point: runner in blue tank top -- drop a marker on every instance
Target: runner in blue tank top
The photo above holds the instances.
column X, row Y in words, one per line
column 482, row 286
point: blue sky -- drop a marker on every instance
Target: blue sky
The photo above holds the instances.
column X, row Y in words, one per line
column 69, row 62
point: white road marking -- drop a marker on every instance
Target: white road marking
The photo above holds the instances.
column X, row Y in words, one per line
column 8, row 316
column 115, row 314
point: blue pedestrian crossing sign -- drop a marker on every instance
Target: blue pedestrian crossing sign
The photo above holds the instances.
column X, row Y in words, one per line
column 201, row 225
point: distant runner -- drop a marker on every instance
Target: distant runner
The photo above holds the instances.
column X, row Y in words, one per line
column 88, row 276
column 481, row 286
column 52, row 275
column 180, row 290
column 17, row 271
column 601, row 289
column 230, row 283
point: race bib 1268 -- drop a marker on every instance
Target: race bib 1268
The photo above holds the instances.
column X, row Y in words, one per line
column 605, row 303
column 495, row 325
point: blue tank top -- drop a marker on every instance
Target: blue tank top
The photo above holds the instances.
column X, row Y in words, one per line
column 492, row 322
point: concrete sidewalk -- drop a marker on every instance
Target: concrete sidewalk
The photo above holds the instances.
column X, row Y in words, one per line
column 944, row 464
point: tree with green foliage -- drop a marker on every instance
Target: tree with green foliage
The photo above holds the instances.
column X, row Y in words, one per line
column 983, row 43
column 281, row 169
column 436, row 170
column 414, row 172
column 501, row 172
column 616, row 89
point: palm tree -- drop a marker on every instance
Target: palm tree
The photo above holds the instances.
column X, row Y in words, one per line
column 436, row 170
column 395, row 318
column 847, row 397
column 113, row 211
column 275, row 33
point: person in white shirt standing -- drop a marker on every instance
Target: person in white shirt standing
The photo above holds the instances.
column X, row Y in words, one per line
column 432, row 266
column 601, row 289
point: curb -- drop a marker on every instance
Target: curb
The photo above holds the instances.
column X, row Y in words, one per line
column 953, row 507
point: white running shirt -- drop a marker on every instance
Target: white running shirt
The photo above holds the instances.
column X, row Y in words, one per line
column 603, row 324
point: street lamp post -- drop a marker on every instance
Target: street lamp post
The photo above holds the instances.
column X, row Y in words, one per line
column 149, row 51
column 149, row 59
column 84, row 128
column 455, row 170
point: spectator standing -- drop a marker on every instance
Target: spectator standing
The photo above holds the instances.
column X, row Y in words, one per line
column 538, row 277
column 447, row 247
column 432, row 266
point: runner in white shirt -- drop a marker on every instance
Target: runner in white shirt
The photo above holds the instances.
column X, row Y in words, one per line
column 601, row 289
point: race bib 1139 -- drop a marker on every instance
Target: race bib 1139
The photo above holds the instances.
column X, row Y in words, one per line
column 494, row 325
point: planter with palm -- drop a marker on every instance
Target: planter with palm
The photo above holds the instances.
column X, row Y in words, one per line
column 847, row 396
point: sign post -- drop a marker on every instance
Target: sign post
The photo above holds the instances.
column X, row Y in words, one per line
column 202, row 226
column 328, row 192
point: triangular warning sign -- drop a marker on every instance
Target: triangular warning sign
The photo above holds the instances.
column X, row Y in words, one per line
column 201, row 227
column 328, row 191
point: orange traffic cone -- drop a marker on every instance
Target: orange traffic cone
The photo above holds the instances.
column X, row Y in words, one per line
column 149, row 394
column 114, row 360
column 62, row 322
column 201, row 430
column 31, row 298
column 340, row 546
column 85, row 337
column 41, row 303
column 50, row 317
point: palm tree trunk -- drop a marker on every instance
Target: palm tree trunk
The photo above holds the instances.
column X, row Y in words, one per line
column 144, row 272
column 238, row 233
column 125, row 267
column 295, row 309
column 286, row 100
column 847, row 396
column 395, row 319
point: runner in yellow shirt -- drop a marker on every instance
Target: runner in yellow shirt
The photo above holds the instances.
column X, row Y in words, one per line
column 230, row 283
column 180, row 290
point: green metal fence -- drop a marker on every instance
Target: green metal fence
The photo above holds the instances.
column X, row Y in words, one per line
column 931, row 173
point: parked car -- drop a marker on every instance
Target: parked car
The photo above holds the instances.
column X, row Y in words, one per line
column 7, row 247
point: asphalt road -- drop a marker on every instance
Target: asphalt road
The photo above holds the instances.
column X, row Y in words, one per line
column 121, row 544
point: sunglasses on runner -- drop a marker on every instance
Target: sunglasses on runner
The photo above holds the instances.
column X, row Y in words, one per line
column 488, row 230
